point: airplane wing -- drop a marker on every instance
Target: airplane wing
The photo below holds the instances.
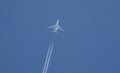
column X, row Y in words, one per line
column 61, row 28
column 51, row 26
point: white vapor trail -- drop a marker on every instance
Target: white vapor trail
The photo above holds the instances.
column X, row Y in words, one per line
column 47, row 60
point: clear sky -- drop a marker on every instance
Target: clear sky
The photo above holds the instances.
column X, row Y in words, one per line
column 90, row 42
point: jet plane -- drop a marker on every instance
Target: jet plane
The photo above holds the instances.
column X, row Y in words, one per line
column 56, row 27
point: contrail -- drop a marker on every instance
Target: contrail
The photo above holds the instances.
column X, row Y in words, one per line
column 50, row 53
column 47, row 60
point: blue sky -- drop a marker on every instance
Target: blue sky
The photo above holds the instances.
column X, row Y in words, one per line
column 89, row 44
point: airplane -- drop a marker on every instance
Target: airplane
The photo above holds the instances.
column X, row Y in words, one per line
column 56, row 27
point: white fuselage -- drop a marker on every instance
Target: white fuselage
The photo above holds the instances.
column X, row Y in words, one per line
column 55, row 29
